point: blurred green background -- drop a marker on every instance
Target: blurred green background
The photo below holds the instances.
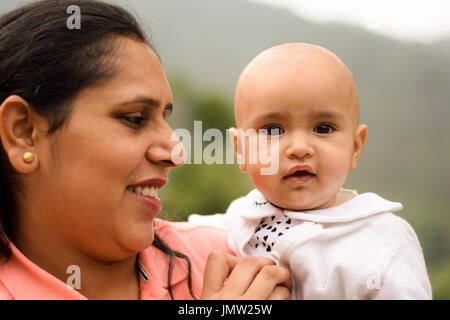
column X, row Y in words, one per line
column 404, row 96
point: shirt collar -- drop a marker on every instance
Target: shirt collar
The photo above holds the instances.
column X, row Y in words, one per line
column 255, row 207
column 155, row 263
column 26, row 281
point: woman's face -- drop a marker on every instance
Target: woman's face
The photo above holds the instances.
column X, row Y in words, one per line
column 115, row 139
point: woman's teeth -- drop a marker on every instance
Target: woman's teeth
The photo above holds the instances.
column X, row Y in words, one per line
column 145, row 191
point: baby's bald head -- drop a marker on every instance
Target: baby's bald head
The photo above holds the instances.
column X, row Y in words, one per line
column 300, row 102
column 311, row 66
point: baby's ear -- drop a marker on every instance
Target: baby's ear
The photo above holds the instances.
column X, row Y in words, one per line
column 236, row 141
column 360, row 140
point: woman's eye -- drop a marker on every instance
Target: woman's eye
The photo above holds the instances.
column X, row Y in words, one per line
column 273, row 130
column 167, row 113
column 137, row 120
column 324, row 128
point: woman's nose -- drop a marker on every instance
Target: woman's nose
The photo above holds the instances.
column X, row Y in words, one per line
column 166, row 148
column 299, row 146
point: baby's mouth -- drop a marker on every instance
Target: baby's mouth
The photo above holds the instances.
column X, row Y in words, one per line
column 300, row 174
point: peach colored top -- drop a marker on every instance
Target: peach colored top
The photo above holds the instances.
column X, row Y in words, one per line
column 21, row 279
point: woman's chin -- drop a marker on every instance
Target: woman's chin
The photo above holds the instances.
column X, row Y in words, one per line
column 137, row 241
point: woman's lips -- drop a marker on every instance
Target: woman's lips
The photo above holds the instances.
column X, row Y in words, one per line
column 158, row 183
column 147, row 193
column 153, row 203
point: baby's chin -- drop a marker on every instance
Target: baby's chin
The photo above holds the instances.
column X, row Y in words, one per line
column 297, row 205
column 287, row 205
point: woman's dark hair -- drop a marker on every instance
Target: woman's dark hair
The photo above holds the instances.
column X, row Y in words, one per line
column 47, row 63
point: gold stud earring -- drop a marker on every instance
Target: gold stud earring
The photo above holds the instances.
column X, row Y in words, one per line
column 28, row 157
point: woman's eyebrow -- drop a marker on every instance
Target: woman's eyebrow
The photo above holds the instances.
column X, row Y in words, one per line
column 142, row 100
column 147, row 101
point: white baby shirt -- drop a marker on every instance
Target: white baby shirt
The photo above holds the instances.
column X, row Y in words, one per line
column 356, row 250
column 267, row 233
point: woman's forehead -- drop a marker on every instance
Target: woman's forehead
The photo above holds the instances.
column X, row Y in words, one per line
column 137, row 73
column 136, row 60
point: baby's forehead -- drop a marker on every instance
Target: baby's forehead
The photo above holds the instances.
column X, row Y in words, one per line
column 296, row 57
column 276, row 68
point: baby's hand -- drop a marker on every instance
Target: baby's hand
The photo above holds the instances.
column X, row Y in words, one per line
column 249, row 278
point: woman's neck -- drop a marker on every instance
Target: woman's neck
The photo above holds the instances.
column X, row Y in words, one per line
column 98, row 279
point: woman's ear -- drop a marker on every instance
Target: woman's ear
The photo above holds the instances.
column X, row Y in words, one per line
column 18, row 133
column 238, row 148
column 360, row 140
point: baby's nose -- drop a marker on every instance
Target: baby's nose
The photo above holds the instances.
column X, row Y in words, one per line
column 299, row 147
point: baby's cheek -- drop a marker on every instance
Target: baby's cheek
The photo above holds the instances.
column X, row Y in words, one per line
column 260, row 181
column 334, row 174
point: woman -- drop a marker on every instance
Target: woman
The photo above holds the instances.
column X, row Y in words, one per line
column 85, row 147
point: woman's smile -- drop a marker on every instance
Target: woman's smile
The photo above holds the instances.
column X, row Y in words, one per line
column 147, row 192
column 148, row 196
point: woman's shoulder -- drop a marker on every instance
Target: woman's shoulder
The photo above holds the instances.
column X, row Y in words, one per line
column 4, row 293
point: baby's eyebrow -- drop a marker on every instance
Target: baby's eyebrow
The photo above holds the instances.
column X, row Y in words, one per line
column 271, row 115
column 328, row 114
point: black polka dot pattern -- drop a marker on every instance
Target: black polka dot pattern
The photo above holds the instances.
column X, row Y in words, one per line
column 268, row 231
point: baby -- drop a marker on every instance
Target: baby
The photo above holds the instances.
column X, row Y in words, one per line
column 302, row 103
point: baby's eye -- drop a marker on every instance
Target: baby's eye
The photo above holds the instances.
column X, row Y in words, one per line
column 273, row 130
column 324, row 128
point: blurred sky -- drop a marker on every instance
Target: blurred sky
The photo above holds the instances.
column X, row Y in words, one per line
column 412, row 20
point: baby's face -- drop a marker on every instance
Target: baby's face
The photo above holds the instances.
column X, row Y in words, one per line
column 313, row 104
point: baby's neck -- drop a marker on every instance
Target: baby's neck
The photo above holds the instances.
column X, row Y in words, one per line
column 343, row 196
